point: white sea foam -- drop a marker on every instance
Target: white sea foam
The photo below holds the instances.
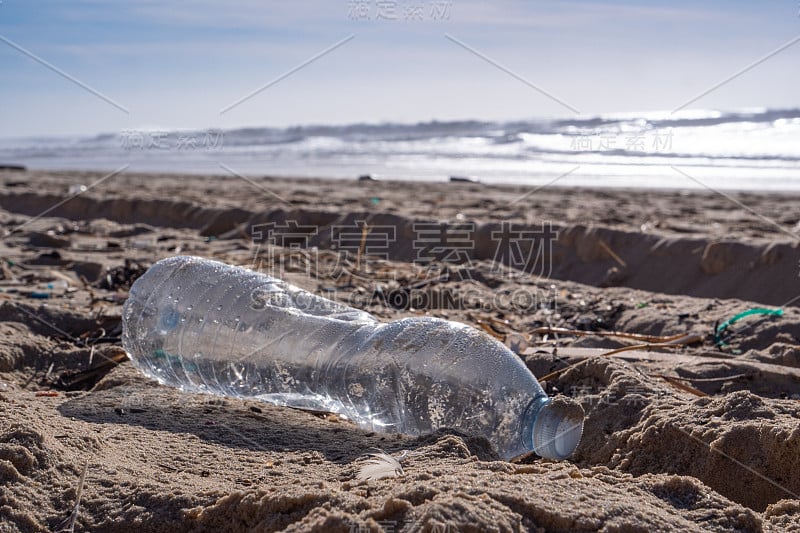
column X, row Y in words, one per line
column 752, row 149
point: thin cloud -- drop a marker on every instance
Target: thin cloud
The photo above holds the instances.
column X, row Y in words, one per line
column 254, row 14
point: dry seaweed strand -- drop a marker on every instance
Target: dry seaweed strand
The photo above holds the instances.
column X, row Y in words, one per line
column 677, row 381
column 68, row 525
column 491, row 331
column 706, row 380
column 682, row 386
column 612, row 253
column 653, row 341
column 78, row 380
column 365, row 229
column 678, row 341
column 622, row 334
column 490, row 325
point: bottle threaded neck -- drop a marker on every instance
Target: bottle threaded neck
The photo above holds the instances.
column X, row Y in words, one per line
column 556, row 427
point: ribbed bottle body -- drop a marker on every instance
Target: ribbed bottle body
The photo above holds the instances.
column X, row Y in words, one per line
column 207, row 327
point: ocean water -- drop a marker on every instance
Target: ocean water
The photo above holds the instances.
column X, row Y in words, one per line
column 745, row 150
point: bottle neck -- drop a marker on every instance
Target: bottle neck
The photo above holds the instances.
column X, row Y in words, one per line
column 529, row 420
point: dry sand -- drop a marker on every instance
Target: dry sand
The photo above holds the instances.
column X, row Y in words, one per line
column 716, row 450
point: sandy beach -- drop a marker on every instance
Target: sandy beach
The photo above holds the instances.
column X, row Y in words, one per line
column 692, row 427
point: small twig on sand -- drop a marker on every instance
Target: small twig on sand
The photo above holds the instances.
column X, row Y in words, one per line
column 74, row 380
column 362, row 247
column 682, row 338
column 704, row 380
column 491, row 331
column 675, row 382
column 68, row 525
column 611, row 252
column 679, row 341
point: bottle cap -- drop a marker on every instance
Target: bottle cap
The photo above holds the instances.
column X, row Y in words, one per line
column 558, row 429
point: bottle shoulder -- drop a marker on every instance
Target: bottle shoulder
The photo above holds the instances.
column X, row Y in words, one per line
column 443, row 345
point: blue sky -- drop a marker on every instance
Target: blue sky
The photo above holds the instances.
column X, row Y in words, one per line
column 177, row 64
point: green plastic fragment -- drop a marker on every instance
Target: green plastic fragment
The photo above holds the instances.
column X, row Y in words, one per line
column 754, row 311
column 175, row 359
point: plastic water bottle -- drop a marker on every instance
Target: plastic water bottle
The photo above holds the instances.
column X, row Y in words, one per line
column 204, row 326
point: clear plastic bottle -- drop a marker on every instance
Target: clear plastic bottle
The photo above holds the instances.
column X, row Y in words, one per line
column 204, row 326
